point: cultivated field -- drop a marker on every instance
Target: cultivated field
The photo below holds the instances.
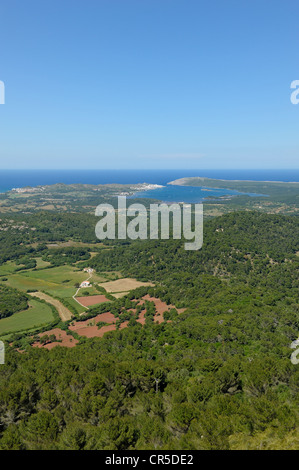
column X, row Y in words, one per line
column 57, row 282
column 118, row 295
column 56, row 286
column 29, row 319
column 64, row 312
column 123, row 285
column 8, row 268
column 67, row 275
column 92, row 300
column 41, row 263
column 36, row 315
column 89, row 329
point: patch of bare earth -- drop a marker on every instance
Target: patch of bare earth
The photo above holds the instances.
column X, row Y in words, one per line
column 104, row 317
column 161, row 306
column 94, row 331
column 61, row 335
column 141, row 318
column 89, row 329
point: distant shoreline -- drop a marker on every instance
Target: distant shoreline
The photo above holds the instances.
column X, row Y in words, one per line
column 10, row 179
column 137, row 187
column 181, row 181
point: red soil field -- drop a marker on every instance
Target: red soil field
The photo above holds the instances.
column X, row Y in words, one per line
column 161, row 306
column 104, row 317
column 89, row 329
column 66, row 340
column 93, row 331
column 141, row 318
column 92, row 300
column 157, row 318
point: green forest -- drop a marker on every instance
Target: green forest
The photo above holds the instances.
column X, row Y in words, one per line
column 218, row 376
column 149, row 229
column 11, row 301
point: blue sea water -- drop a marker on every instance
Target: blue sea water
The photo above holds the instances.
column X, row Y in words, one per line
column 188, row 194
column 19, row 178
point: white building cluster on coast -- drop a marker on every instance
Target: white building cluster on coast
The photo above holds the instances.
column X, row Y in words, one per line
column 28, row 189
column 141, row 187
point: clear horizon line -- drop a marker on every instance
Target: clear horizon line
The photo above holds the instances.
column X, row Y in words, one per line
column 147, row 169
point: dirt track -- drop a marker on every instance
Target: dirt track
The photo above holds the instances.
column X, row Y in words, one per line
column 64, row 312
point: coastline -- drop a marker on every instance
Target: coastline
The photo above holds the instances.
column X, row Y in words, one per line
column 190, row 189
column 182, row 181
column 136, row 187
column 17, row 178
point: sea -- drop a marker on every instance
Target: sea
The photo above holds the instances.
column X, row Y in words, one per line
column 10, row 179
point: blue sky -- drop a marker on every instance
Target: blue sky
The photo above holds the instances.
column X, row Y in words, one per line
column 149, row 84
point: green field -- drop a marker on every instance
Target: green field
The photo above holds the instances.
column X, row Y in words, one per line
column 41, row 264
column 36, row 315
column 8, row 268
column 61, row 274
column 58, row 281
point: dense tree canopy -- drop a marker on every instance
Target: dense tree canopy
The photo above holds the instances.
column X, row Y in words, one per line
column 11, row 301
column 218, row 376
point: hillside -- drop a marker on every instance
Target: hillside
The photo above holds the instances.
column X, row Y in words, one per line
column 217, row 376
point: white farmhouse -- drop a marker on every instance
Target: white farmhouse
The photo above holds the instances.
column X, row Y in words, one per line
column 85, row 284
column 88, row 270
